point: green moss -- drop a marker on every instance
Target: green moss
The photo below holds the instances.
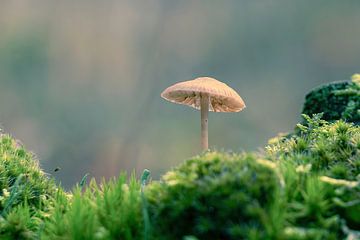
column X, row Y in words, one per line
column 308, row 188
column 26, row 193
column 216, row 196
column 304, row 186
column 329, row 148
column 338, row 100
column 110, row 210
column 330, row 161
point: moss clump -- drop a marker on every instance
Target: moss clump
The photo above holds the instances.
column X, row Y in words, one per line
column 216, row 196
column 304, row 186
column 110, row 210
column 26, row 192
column 321, row 167
column 307, row 188
column 332, row 149
column 339, row 100
column 33, row 207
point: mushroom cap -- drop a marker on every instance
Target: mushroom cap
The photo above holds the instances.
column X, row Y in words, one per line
column 222, row 97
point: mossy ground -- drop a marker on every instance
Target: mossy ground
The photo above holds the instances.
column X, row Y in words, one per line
column 339, row 100
column 26, row 193
column 216, row 196
column 305, row 185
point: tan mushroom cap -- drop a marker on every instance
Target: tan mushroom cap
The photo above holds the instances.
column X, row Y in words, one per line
column 222, row 97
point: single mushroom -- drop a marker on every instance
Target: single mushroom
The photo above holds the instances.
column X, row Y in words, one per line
column 206, row 94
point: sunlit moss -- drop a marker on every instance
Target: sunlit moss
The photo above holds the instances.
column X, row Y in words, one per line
column 215, row 196
column 305, row 185
column 339, row 100
column 109, row 210
column 26, row 192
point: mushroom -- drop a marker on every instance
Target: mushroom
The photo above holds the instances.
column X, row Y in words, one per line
column 206, row 94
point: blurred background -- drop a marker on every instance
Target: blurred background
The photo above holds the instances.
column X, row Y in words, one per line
column 80, row 81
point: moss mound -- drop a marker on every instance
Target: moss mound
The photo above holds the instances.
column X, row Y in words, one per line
column 339, row 100
column 304, row 186
column 26, row 193
column 326, row 148
column 109, row 210
column 215, row 196
column 321, row 167
column 307, row 188
column 32, row 206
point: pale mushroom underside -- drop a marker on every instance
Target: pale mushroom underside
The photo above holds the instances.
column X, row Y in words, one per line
column 222, row 97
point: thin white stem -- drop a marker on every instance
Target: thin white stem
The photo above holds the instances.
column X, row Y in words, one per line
column 204, row 108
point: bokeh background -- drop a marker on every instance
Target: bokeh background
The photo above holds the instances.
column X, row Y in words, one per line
column 80, row 81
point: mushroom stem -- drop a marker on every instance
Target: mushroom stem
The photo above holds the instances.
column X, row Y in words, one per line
column 204, row 108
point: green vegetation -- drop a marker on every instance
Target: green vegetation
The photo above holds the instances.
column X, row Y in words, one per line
column 111, row 210
column 303, row 186
column 320, row 165
column 26, row 193
column 217, row 196
column 340, row 100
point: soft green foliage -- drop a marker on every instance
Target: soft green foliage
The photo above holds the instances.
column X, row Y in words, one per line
column 144, row 180
column 331, row 149
column 307, row 188
column 216, row 196
column 339, row 100
column 110, row 210
column 324, row 183
column 26, row 193
column 33, row 207
column 304, row 186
